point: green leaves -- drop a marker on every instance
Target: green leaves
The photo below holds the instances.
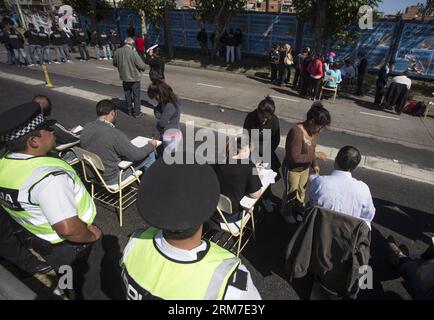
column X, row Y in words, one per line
column 153, row 9
column 340, row 15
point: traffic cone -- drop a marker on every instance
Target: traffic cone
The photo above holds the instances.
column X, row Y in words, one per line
column 48, row 83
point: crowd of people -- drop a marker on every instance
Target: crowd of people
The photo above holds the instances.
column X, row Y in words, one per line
column 229, row 44
column 48, row 209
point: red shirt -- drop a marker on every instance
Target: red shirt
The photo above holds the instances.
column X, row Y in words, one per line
column 140, row 44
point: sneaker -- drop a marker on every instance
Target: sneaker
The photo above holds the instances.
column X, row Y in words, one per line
column 105, row 59
column 57, row 62
column 69, row 61
column 394, row 251
column 30, row 65
column 49, row 62
column 268, row 205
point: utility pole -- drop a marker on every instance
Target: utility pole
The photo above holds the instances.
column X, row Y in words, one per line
column 20, row 13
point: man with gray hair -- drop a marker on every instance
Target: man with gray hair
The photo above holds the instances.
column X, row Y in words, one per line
column 130, row 66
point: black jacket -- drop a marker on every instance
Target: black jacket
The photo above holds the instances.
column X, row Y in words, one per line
column 32, row 37
column 114, row 38
column 332, row 246
column 362, row 67
column 16, row 40
column 103, row 39
column 80, row 37
column 57, row 38
column 44, row 39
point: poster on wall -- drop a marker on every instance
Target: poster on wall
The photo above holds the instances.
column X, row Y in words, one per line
column 415, row 52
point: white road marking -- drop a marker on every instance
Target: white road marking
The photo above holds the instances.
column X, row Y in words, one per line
column 378, row 115
column 209, row 85
column 106, row 68
column 26, row 80
column 277, row 97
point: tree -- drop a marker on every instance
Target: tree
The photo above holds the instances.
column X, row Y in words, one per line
column 217, row 12
column 94, row 9
column 428, row 9
column 156, row 12
column 332, row 19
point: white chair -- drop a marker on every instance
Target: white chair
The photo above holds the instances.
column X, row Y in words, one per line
column 237, row 232
column 120, row 195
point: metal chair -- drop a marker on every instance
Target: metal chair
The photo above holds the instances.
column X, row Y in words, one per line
column 236, row 233
column 120, row 195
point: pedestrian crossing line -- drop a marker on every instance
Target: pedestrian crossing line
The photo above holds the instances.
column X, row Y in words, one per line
column 379, row 115
column 288, row 99
column 209, row 85
column 25, row 80
column 104, row 68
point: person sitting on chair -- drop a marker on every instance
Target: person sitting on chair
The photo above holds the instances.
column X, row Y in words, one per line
column 333, row 76
column 112, row 145
column 238, row 177
column 342, row 193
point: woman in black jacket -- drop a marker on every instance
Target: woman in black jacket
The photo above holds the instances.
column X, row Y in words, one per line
column 167, row 113
column 156, row 64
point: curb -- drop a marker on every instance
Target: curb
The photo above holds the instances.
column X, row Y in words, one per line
column 197, row 65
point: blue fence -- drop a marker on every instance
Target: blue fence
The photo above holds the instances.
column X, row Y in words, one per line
column 410, row 44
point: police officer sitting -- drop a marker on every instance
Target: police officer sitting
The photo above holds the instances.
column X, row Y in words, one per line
column 46, row 197
column 170, row 260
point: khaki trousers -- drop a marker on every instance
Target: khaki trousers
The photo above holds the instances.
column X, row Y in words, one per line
column 295, row 189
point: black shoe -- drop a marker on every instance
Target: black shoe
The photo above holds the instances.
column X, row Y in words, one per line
column 138, row 115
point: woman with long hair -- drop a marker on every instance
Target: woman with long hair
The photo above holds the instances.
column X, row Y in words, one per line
column 238, row 177
column 167, row 114
column 300, row 155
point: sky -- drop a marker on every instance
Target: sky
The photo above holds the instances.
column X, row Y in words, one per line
column 392, row 6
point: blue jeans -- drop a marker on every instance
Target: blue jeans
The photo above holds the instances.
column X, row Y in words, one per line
column 143, row 164
column 35, row 50
column 107, row 53
column 10, row 54
column 97, row 52
column 84, row 53
column 20, row 53
column 60, row 54
column 132, row 91
column 66, row 51
column 46, row 54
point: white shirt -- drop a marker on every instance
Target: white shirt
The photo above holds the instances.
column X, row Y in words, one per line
column 232, row 293
column 342, row 193
column 54, row 194
column 403, row 80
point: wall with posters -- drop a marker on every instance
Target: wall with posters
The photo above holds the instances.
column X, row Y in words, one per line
column 415, row 51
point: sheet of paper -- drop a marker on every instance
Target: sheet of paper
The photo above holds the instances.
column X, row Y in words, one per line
column 77, row 129
column 142, row 141
column 247, row 202
column 267, row 176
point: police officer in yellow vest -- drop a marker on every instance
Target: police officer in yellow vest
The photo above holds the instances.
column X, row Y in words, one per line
column 46, row 198
column 169, row 260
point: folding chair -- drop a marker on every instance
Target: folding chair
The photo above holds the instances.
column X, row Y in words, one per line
column 333, row 90
column 120, row 195
column 225, row 206
column 64, row 148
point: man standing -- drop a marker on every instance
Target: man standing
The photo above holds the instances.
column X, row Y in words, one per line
column 82, row 40
column 230, row 47
column 57, row 39
column 342, row 193
column 169, row 260
column 112, row 145
column 34, row 47
column 44, row 42
column 46, row 197
column 17, row 43
column 130, row 65
column 362, row 69
column 202, row 39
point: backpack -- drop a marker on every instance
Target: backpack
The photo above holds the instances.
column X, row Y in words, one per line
column 415, row 108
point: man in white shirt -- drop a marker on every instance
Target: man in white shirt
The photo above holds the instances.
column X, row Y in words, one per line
column 340, row 191
column 403, row 79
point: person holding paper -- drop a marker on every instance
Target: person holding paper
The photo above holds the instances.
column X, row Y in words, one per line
column 167, row 113
column 112, row 145
column 300, row 155
column 238, row 176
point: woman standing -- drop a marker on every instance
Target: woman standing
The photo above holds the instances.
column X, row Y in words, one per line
column 300, row 155
column 263, row 119
column 156, row 64
column 167, row 113
column 315, row 70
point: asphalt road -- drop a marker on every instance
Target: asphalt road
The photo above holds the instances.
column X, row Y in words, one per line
column 405, row 208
